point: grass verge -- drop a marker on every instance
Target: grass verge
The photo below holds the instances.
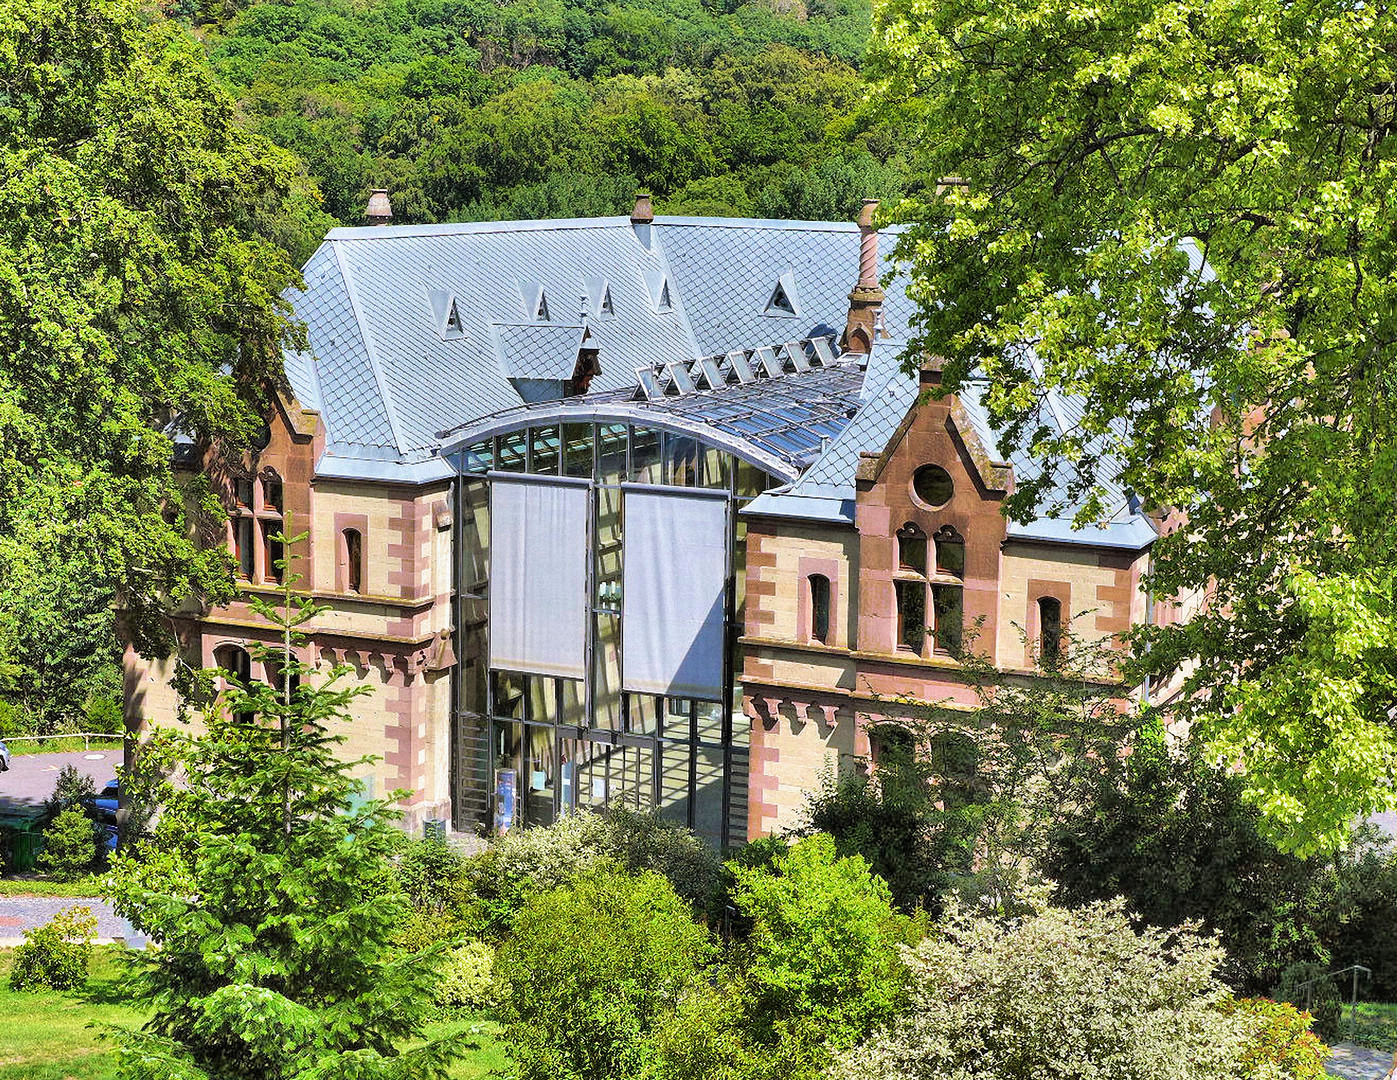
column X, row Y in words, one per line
column 86, row 889
column 58, row 1036
column 62, row 744
column 1376, row 1026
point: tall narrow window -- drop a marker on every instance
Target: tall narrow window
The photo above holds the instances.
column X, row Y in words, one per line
column 1049, row 631
column 272, row 494
column 819, row 608
column 949, row 618
column 237, row 668
column 272, row 552
column 911, row 549
column 911, row 614
column 242, row 491
column 950, row 552
column 281, row 667
column 353, row 560
column 242, row 547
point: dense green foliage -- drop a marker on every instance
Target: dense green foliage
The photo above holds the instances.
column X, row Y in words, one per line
column 140, row 279
column 591, row 968
column 1282, row 1038
column 1099, row 151
column 467, row 110
column 1061, row 993
column 265, row 887
column 72, row 846
column 55, row 956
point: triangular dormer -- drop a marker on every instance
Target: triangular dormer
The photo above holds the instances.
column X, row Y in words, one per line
column 783, row 303
column 661, row 299
column 665, row 303
column 599, row 304
column 541, row 312
column 446, row 314
column 605, row 308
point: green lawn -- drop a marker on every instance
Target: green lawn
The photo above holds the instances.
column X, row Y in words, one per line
column 86, row 889
column 61, row 743
column 1376, row 1026
column 53, row 1036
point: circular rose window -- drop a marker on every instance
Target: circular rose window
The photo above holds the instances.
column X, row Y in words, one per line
column 932, row 485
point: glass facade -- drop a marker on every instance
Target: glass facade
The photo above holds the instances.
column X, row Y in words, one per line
column 530, row 748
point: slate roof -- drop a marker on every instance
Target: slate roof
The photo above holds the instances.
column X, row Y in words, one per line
column 386, row 377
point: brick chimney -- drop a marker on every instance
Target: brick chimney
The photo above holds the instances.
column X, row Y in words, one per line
column 866, row 299
column 642, row 217
column 379, row 210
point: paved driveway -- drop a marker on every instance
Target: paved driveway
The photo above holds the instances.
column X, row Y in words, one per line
column 31, row 777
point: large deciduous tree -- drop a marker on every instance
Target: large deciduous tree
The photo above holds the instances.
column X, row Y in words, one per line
column 139, row 296
column 1182, row 213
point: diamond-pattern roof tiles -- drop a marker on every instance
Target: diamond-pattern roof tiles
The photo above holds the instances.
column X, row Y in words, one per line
column 537, row 350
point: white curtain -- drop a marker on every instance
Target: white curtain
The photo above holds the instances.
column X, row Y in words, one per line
column 538, row 575
column 673, row 592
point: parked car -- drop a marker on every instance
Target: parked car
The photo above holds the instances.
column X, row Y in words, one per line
column 102, row 810
column 4, row 757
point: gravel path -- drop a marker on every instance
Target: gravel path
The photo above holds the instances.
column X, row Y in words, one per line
column 1351, row 1062
column 21, row 913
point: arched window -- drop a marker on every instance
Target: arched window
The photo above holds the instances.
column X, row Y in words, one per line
column 236, row 664
column 911, row 549
column 1049, row 631
column 950, row 552
column 352, row 543
column 819, row 608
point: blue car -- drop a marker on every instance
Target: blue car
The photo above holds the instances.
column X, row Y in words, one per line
column 103, row 809
column 4, row 757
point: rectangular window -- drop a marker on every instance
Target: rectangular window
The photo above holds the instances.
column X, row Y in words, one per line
column 819, row 608
column 353, row 560
column 242, row 547
column 272, row 496
column 543, row 451
column 947, row 609
column 242, row 491
column 911, row 615
column 513, row 451
column 1049, row 631
column 272, row 552
column 577, row 450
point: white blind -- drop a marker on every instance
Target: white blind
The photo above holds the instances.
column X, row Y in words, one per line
column 672, row 594
column 538, row 575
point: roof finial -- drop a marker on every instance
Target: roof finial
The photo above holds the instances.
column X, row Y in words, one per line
column 379, row 210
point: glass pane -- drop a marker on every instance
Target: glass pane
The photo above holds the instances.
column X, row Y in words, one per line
column 606, row 677
column 543, row 699
column 593, row 777
column 678, row 718
column 741, row 728
column 574, row 711
column 642, row 715
column 617, row 774
column 611, row 452
column 645, row 456
column 751, row 481
column 717, row 468
column 509, row 694
column 538, row 780
column 950, row 556
column 543, row 451
column 681, row 461
column 480, row 457
column 475, row 541
column 577, row 450
column 911, row 615
column 710, row 722
column 672, row 765
column 946, row 606
column 708, row 795
column 911, row 550
column 513, row 451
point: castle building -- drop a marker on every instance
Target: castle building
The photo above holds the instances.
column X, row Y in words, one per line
column 633, row 508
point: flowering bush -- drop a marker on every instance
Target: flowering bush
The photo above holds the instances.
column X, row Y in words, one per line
column 1282, row 1038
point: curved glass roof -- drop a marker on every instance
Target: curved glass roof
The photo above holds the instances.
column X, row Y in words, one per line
column 780, row 424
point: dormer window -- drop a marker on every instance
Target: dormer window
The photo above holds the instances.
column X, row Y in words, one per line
column 782, row 302
column 444, row 311
column 453, row 321
column 665, row 304
column 541, row 313
column 605, row 307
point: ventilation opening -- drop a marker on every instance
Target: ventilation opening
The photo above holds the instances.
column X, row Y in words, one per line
column 605, row 306
column 453, row 320
column 780, row 302
column 542, row 313
column 665, row 304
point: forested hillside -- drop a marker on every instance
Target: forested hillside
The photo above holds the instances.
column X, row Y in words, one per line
column 472, row 109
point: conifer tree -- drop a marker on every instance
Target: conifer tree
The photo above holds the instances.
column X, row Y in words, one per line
column 264, row 886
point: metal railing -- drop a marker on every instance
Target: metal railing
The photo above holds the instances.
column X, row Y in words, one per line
column 1309, row 987
column 86, row 736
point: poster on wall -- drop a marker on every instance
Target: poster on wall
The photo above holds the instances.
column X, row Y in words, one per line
column 538, row 574
column 674, row 592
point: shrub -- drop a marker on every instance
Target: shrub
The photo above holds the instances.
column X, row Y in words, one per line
column 590, row 969
column 433, row 876
column 526, row 862
column 1281, row 1038
column 1363, row 926
column 56, row 954
column 72, row 844
column 818, row 971
column 1172, row 834
column 71, row 789
column 1070, row 993
column 466, row 982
